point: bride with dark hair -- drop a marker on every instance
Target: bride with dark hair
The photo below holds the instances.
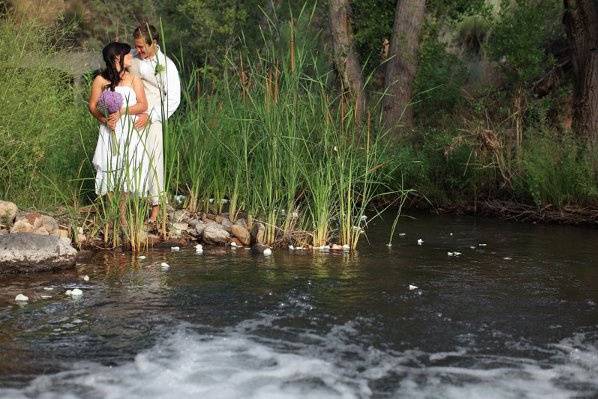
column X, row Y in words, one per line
column 119, row 155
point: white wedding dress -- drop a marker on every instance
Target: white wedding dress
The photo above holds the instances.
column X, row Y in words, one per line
column 122, row 166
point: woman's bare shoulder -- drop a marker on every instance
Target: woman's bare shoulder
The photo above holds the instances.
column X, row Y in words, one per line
column 100, row 80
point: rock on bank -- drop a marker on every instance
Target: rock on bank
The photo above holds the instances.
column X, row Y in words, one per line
column 27, row 253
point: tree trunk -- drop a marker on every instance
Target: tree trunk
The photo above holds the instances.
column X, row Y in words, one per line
column 401, row 66
column 345, row 56
column 581, row 24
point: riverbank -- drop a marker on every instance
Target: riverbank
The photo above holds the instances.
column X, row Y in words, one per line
column 518, row 212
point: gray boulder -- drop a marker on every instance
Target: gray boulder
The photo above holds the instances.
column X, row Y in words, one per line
column 213, row 234
column 27, row 252
column 197, row 227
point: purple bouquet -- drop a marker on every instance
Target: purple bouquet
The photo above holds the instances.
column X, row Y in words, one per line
column 109, row 103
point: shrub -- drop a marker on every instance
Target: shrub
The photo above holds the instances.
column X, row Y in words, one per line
column 40, row 123
column 557, row 171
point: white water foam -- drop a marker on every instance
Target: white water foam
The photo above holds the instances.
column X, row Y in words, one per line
column 246, row 361
column 235, row 365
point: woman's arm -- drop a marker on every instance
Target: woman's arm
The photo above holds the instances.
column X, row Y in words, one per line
column 96, row 92
column 141, row 106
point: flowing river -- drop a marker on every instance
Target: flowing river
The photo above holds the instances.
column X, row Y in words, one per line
column 514, row 318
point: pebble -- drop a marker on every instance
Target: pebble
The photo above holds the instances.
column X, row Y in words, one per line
column 402, row 234
column 412, row 287
column 86, row 278
column 46, row 296
column 175, row 249
column 507, row 258
column 233, row 244
column 141, row 257
column 456, row 253
column 164, row 266
column 450, row 253
column 21, row 298
column 74, row 292
column 420, row 241
column 267, row 252
column 481, row 245
column 199, row 249
column 49, row 288
column 291, row 248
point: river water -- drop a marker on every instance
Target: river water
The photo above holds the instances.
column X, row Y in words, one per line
column 515, row 318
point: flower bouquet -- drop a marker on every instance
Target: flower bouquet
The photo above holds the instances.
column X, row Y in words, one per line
column 109, row 103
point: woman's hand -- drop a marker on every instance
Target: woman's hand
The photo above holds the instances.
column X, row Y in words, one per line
column 113, row 120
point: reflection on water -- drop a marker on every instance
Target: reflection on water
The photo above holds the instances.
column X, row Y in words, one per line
column 515, row 318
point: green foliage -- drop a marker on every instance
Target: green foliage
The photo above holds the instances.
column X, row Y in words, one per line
column 40, row 125
column 455, row 9
column 372, row 23
column 557, row 171
column 439, row 79
column 521, row 34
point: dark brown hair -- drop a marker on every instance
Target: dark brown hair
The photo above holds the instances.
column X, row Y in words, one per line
column 110, row 53
column 147, row 32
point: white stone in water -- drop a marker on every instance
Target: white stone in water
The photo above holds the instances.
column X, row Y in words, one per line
column 175, row 249
column 86, row 278
column 141, row 257
column 199, row 249
column 49, row 288
column 420, row 241
column 472, row 247
column 267, row 252
column 233, row 244
column 450, row 253
column 457, row 253
column 76, row 292
column 164, row 266
column 507, row 258
column 291, row 248
column 481, row 245
column 412, row 287
column 21, row 298
column 402, row 234
column 299, row 248
column 46, row 296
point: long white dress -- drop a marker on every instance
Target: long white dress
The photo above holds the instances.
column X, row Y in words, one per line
column 121, row 167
